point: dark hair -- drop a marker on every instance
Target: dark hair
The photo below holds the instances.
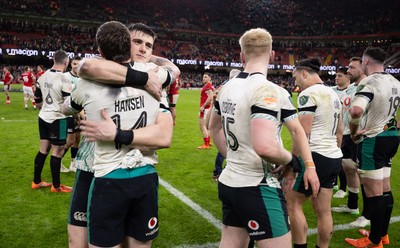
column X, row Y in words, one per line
column 77, row 57
column 376, row 54
column 342, row 69
column 142, row 28
column 60, row 56
column 207, row 73
column 311, row 65
column 41, row 66
column 114, row 41
column 359, row 59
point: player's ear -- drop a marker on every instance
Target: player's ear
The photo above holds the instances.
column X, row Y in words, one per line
column 101, row 53
column 242, row 58
column 271, row 56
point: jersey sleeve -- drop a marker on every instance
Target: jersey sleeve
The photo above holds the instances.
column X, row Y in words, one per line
column 77, row 98
column 288, row 110
column 307, row 104
column 66, row 86
column 364, row 95
column 265, row 103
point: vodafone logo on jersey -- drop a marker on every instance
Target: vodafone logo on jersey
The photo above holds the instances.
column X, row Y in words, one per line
column 152, row 222
column 347, row 101
column 253, row 225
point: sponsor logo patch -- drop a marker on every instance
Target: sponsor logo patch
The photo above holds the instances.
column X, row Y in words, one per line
column 253, row 225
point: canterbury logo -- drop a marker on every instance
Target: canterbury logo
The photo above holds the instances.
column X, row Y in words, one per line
column 80, row 216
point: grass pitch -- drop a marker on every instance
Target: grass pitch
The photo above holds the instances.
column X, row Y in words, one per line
column 37, row 218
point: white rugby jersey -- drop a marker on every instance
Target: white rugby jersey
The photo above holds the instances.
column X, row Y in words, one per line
column 54, row 86
column 130, row 108
column 379, row 96
column 337, row 90
column 345, row 99
column 322, row 102
column 241, row 99
column 72, row 78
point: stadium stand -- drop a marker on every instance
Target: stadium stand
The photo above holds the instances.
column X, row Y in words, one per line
column 207, row 30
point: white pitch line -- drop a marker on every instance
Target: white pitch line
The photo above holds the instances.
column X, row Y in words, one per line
column 18, row 120
column 196, row 207
column 215, row 222
column 342, row 227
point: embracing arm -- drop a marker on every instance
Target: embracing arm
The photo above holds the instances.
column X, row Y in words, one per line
column 109, row 72
column 155, row 136
column 171, row 67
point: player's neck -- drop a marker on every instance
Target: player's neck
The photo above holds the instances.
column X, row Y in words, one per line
column 359, row 79
column 257, row 66
column 58, row 67
column 375, row 69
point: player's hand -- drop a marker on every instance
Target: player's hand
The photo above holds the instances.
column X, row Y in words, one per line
column 154, row 84
column 289, row 181
column 285, row 172
column 358, row 136
column 99, row 131
column 311, row 180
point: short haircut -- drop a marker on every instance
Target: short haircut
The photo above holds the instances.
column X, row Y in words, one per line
column 311, row 65
column 41, row 67
column 60, row 56
column 114, row 41
column 26, row 68
column 342, row 69
column 77, row 57
column 359, row 59
column 257, row 41
column 375, row 53
column 142, row 28
column 207, row 73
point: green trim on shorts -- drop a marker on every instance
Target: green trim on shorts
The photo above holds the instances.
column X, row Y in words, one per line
column 130, row 173
column 275, row 212
column 88, row 207
column 368, row 149
column 367, row 154
column 388, row 132
column 63, row 129
column 300, row 175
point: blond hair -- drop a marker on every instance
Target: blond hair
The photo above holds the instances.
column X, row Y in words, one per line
column 256, row 41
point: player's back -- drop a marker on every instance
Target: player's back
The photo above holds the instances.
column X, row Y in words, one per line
column 27, row 78
column 326, row 107
column 245, row 97
column 381, row 111
column 128, row 107
column 54, row 86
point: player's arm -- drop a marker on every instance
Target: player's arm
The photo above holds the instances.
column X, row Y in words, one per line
column 265, row 144
column 306, row 121
column 38, row 96
column 358, row 106
column 339, row 132
column 155, row 136
column 216, row 131
column 109, row 72
column 209, row 99
column 171, row 67
column 20, row 80
column 70, row 108
column 301, row 148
